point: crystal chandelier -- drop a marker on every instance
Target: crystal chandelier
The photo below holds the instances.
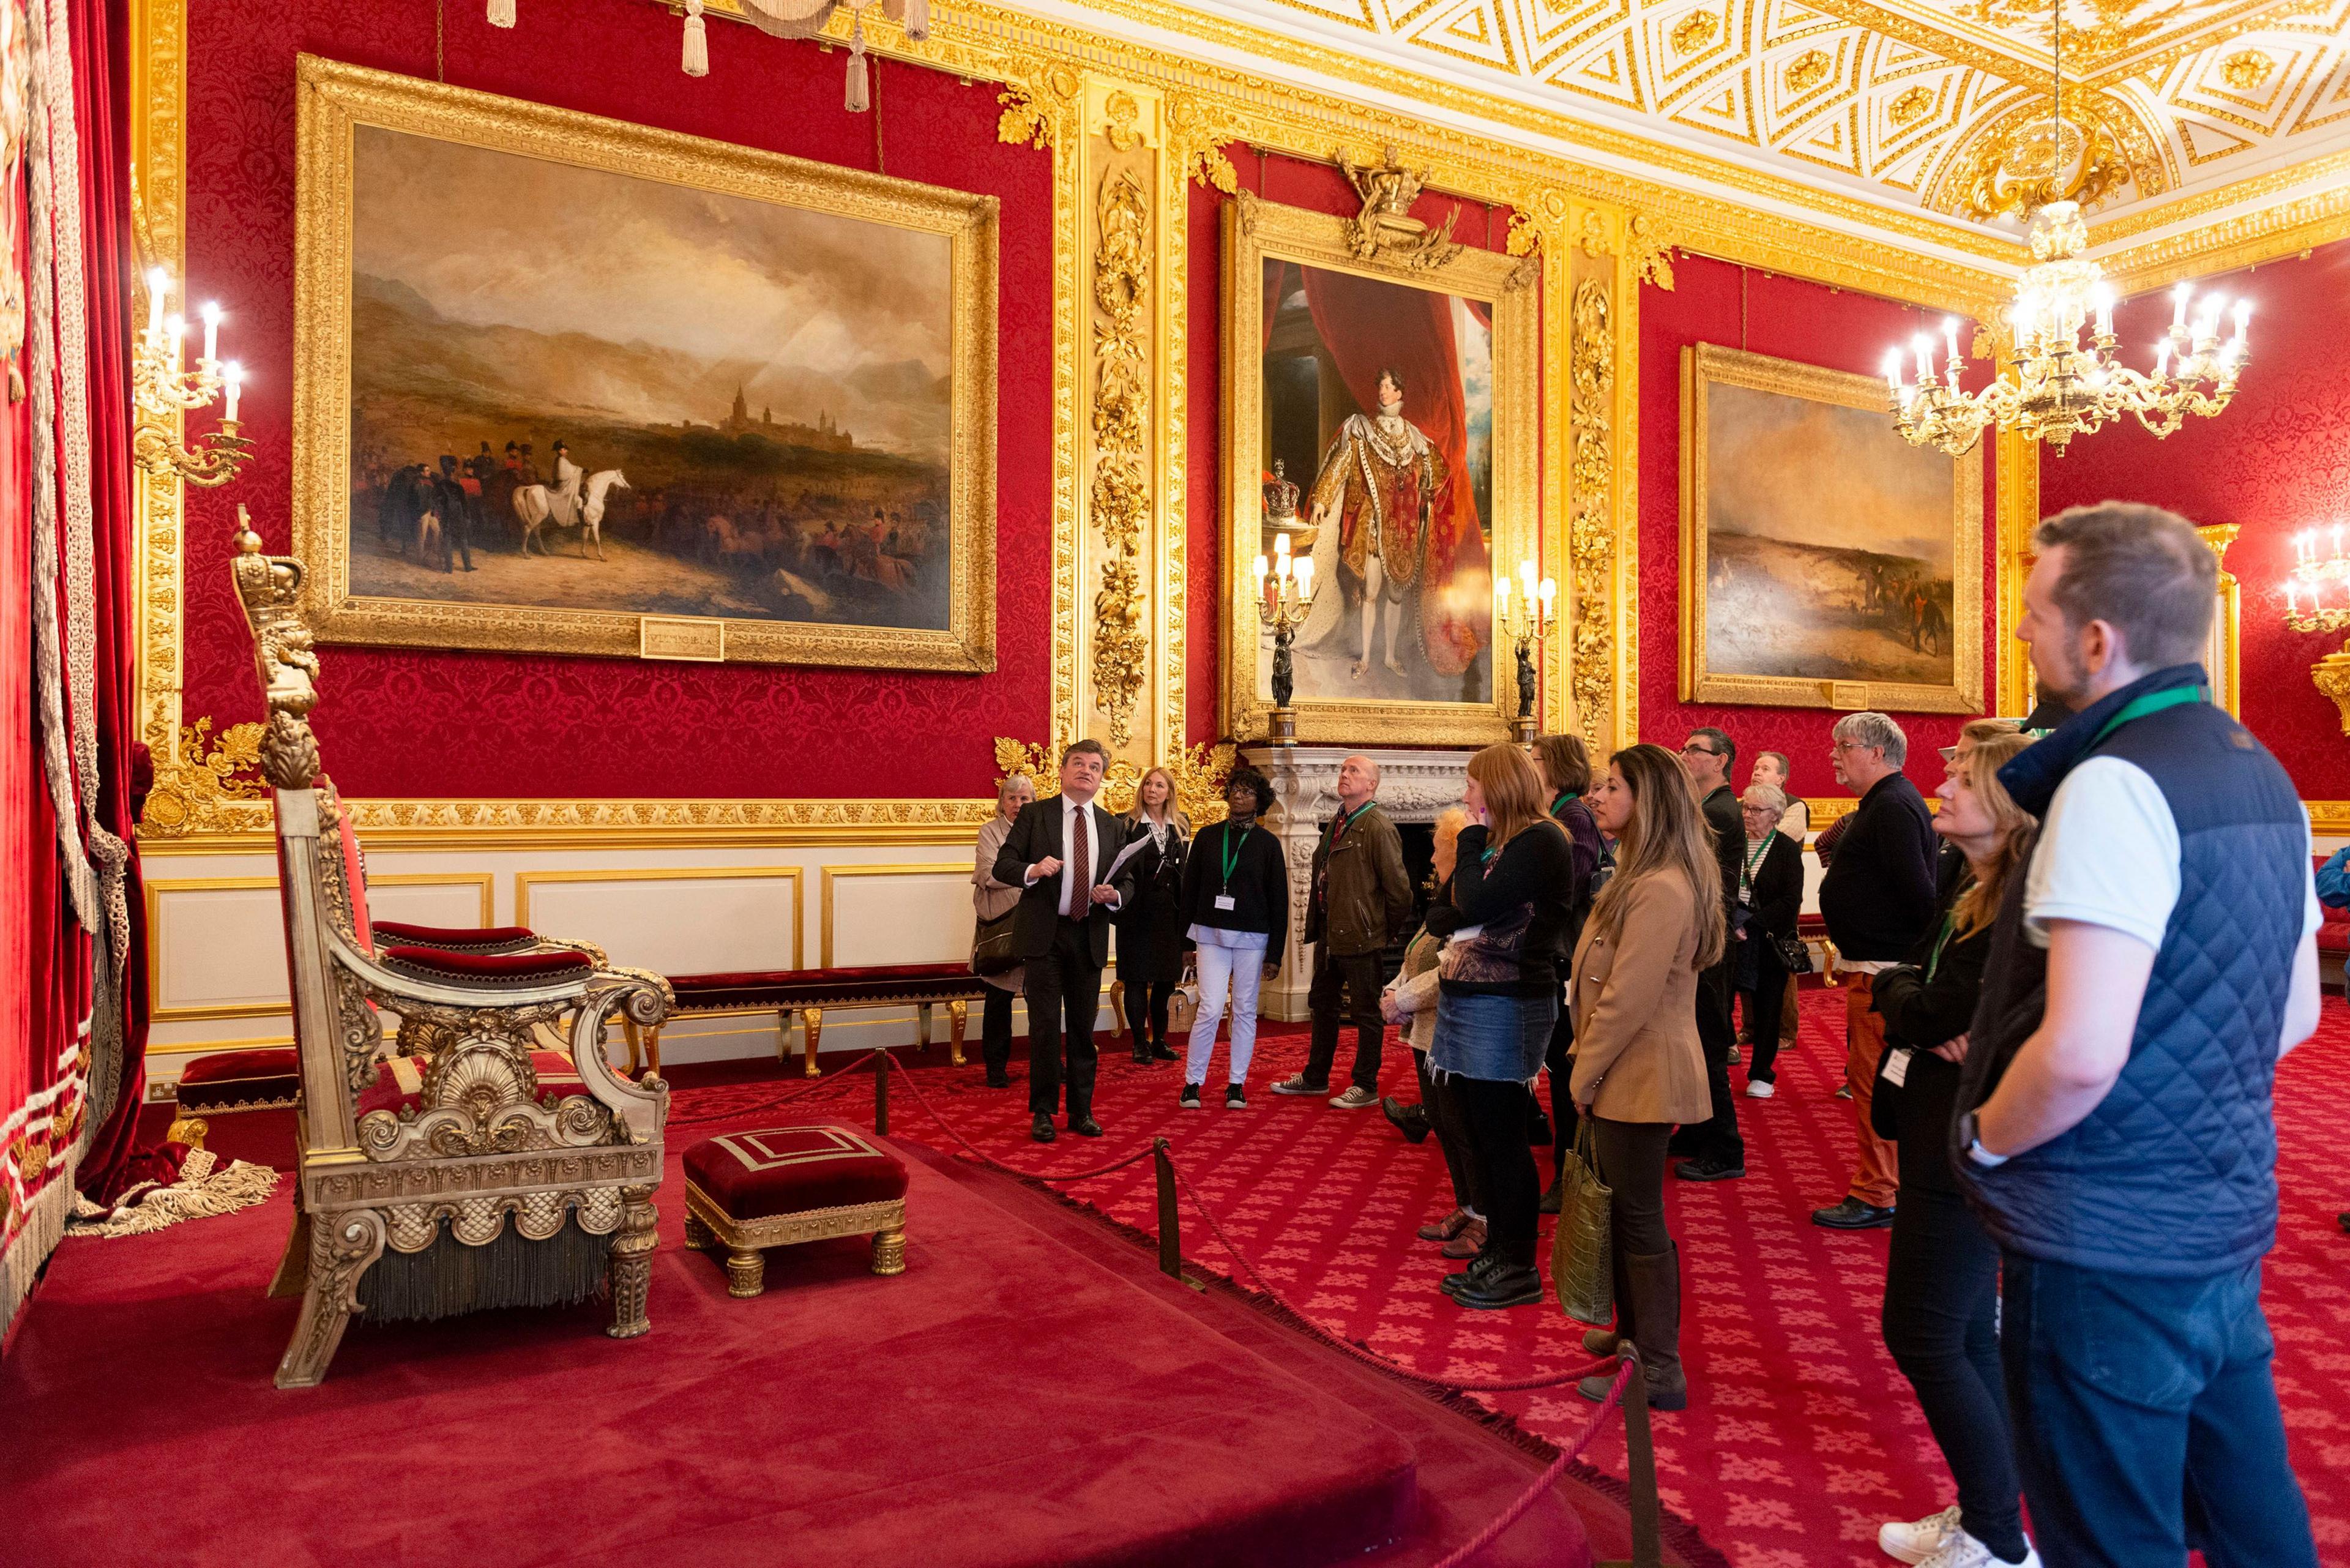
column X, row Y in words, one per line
column 2056, row 387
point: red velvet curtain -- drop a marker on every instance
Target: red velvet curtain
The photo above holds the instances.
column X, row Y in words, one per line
column 1369, row 325
column 100, row 36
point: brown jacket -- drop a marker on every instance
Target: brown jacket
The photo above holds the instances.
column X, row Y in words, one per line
column 1636, row 1057
column 1366, row 895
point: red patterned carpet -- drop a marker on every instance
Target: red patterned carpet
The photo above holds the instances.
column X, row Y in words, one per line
column 1801, row 1436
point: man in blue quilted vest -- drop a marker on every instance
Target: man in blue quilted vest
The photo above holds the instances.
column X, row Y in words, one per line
column 2115, row 1129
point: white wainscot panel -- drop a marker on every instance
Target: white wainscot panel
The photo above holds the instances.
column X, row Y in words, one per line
column 894, row 914
column 216, row 948
column 681, row 922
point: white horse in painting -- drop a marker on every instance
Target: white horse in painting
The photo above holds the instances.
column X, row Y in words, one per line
column 539, row 508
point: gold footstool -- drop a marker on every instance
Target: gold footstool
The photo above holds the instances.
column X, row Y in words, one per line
column 747, row 1191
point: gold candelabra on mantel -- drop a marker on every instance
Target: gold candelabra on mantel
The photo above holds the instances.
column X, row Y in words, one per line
column 162, row 390
column 1285, row 610
column 2316, row 575
column 1525, row 620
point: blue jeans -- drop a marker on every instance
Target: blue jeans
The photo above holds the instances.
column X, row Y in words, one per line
column 2146, row 1419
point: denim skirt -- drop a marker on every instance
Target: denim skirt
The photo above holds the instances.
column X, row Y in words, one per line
column 1500, row 1039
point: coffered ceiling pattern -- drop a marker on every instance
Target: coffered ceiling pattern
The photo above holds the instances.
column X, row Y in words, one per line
column 1942, row 104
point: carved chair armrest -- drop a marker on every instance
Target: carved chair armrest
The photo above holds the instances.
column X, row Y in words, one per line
column 452, row 939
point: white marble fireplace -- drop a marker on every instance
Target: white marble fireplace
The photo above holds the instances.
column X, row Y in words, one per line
column 1413, row 787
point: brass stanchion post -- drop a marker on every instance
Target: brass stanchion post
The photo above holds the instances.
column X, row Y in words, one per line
column 1641, row 1468
column 881, row 1094
column 1170, row 1238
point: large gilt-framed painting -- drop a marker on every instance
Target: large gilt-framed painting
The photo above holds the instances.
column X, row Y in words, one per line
column 567, row 385
column 1826, row 562
column 1380, row 419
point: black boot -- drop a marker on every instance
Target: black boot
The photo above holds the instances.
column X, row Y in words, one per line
column 1655, row 1328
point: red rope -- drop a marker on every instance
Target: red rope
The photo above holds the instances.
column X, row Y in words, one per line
column 985, row 1159
column 1550, row 1478
column 1372, row 1358
column 833, row 1083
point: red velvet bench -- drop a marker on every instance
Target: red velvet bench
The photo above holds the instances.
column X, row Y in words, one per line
column 235, row 1083
column 806, row 992
column 748, row 1191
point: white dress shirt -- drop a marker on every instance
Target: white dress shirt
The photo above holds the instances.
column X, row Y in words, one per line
column 1076, row 819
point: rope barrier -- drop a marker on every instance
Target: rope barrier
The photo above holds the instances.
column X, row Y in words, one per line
column 985, row 1159
column 1549, row 1479
column 839, row 1081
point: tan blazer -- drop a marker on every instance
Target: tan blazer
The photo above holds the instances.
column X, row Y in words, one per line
column 1636, row 1057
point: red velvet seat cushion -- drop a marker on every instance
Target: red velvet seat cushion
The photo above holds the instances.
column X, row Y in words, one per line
column 790, row 1170
column 499, row 969
column 2333, row 935
column 777, row 988
column 452, row 939
column 240, row 1080
column 400, row 1082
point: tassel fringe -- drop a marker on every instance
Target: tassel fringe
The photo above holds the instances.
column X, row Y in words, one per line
column 697, row 44
column 860, row 96
column 917, row 20
column 502, row 13
column 200, row 1192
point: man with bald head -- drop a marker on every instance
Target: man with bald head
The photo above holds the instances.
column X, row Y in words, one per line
column 1360, row 898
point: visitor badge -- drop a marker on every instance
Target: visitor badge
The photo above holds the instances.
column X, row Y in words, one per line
column 1896, row 1067
column 1226, row 901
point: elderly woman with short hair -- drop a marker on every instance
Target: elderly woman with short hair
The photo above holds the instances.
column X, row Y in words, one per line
column 991, row 901
column 1770, row 901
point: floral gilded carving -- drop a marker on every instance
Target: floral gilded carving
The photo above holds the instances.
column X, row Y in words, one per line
column 1591, row 540
column 1122, row 479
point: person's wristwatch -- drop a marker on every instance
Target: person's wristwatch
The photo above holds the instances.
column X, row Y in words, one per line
column 1973, row 1145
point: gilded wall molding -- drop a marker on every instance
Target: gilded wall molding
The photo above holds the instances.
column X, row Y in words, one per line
column 1119, row 502
column 1591, row 540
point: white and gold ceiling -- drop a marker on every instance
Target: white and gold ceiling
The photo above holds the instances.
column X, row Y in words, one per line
column 1936, row 106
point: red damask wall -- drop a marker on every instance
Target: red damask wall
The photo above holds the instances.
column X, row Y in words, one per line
column 1293, row 183
column 2277, row 461
column 405, row 724
column 1716, row 302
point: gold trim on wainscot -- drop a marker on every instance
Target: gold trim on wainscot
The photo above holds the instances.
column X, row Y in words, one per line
column 526, row 880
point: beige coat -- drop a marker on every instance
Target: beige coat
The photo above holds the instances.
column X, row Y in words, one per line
column 1414, row 988
column 991, row 899
column 1636, row 1057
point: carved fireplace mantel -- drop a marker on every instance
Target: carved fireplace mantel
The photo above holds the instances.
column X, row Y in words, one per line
column 1414, row 786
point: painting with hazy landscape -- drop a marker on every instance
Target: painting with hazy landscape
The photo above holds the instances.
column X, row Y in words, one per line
column 756, row 396
column 1827, row 543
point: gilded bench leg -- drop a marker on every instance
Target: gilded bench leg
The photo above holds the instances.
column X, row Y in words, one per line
column 636, row 1043
column 652, row 1049
column 342, row 1248
column 187, row 1130
column 630, row 1265
column 1117, row 1008
column 812, row 1030
column 746, row 1272
column 958, row 1016
column 698, row 1234
column 782, row 1035
column 889, row 1250
column 921, row 1026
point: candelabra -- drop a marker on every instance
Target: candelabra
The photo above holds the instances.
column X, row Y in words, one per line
column 2316, row 575
column 162, row 390
column 1285, row 610
column 1525, row 622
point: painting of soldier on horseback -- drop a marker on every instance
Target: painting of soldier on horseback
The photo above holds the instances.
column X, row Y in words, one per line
column 1820, row 550
column 577, row 396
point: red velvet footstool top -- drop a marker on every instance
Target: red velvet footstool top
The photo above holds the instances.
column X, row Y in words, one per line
column 790, row 1170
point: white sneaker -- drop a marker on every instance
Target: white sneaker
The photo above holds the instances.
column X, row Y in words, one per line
column 1961, row 1550
column 1760, row 1088
column 1915, row 1541
column 1356, row 1098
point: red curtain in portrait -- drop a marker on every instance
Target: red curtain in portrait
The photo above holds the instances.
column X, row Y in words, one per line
column 1369, row 325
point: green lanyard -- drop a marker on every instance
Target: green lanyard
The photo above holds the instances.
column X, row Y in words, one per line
column 1561, row 798
column 2152, row 703
column 1746, row 878
column 1232, row 843
column 1934, row 959
column 1347, row 820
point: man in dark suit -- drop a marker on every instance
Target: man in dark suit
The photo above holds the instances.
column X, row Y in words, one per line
column 1060, row 849
column 1717, row 1151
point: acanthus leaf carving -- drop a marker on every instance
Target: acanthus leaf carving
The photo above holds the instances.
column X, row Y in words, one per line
column 1120, row 492
column 1591, row 485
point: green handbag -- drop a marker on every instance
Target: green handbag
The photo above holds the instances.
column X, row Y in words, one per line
column 1581, row 1263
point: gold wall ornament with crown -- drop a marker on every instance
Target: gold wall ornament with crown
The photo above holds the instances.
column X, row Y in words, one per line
column 1385, row 228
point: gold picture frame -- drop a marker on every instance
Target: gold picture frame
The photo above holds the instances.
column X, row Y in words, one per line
column 336, row 99
column 1255, row 232
column 1705, row 366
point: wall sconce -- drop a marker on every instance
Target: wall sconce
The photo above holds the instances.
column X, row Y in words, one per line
column 1525, row 621
column 2321, row 571
column 1285, row 610
column 161, row 390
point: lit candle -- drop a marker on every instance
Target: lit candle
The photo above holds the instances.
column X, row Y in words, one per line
column 1260, row 567
column 176, row 328
column 1304, row 578
column 1501, row 596
column 159, row 284
column 2104, row 310
column 233, row 375
column 2178, row 298
column 1925, row 347
column 1549, row 591
column 1526, row 581
column 2162, row 359
column 1281, row 544
column 1950, row 342
column 1893, row 370
column 2243, row 319
column 212, row 332
column 2289, row 606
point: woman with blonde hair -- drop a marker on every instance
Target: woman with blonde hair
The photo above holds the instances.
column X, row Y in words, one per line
column 1638, row 1068
column 1497, row 998
column 991, row 901
column 1150, row 924
column 1941, row 1277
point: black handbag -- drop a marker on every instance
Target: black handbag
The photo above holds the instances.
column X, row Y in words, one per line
column 1794, row 954
column 992, row 951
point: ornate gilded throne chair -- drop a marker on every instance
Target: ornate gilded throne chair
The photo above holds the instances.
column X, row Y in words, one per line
column 468, row 1162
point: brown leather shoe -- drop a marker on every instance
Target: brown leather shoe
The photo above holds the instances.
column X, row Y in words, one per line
column 1444, row 1229
column 1468, row 1244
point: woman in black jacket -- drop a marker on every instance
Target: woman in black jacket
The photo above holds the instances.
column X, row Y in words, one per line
column 1770, row 900
column 1151, row 926
column 1941, row 1278
column 1235, row 911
